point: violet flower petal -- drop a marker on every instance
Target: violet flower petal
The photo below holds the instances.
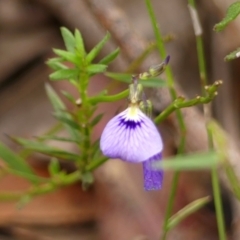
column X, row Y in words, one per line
column 131, row 136
column 152, row 178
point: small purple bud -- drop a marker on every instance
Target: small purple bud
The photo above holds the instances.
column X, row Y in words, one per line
column 167, row 59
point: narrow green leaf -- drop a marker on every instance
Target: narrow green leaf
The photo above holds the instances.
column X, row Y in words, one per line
column 95, row 51
column 68, row 56
column 67, row 119
column 79, row 44
column 17, row 164
column 97, row 119
column 68, row 39
column 189, row 162
column 221, row 145
column 13, row 160
column 69, row 97
column 45, row 149
column 233, row 55
column 31, row 177
column 186, row 211
column 96, row 68
column 64, row 74
column 54, row 167
column 60, row 108
column 55, row 64
column 56, row 138
column 233, row 179
column 55, row 100
column 110, row 57
column 122, row 77
column 153, row 82
column 127, row 78
column 232, row 12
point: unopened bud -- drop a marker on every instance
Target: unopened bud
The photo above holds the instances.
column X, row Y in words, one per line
column 79, row 102
column 144, row 75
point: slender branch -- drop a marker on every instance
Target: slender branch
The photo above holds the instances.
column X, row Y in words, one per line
column 180, row 120
column 111, row 98
column 207, row 114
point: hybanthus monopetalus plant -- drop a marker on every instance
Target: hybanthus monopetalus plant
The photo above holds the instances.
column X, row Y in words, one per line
column 132, row 135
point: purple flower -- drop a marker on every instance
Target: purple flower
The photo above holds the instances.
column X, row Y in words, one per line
column 132, row 136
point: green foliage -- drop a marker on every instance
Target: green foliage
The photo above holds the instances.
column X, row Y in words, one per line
column 54, row 167
column 61, row 112
column 17, row 165
column 96, row 50
column 232, row 12
column 13, row 160
column 186, row 211
column 190, row 162
column 233, row 55
column 68, row 39
column 46, row 149
column 110, row 57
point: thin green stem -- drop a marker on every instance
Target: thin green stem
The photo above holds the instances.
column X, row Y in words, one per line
column 181, row 103
column 172, row 193
column 200, row 47
column 170, row 204
column 201, row 62
column 163, row 54
column 170, row 82
column 84, row 114
column 217, row 193
column 207, row 113
column 218, row 204
column 111, row 98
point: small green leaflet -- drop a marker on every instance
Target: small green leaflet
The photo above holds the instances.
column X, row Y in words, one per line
column 46, row 149
column 96, row 119
column 79, row 44
column 96, row 68
column 55, row 64
column 110, row 57
column 95, row 51
column 60, row 110
column 18, row 165
column 68, row 56
column 54, row 167
column 233, row 55
column 68, row 39
column 232, row 12
column 64, row 74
